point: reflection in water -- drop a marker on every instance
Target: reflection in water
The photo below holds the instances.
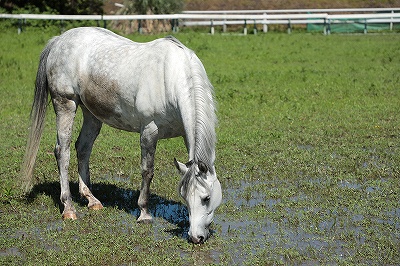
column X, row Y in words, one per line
column 247, row 235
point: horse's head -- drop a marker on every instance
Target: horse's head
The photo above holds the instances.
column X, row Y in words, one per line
column 201, row 190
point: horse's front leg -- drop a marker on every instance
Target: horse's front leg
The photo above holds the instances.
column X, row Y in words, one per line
column 65, row 114
column 148, row 143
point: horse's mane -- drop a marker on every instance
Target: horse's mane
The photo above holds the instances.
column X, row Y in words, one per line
column 206, row 119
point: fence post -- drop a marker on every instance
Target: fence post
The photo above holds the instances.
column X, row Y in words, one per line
column 289, row 30
column 255, row 28
column 224, row 27
column 365, row 26
column 212, row 27
column 62, row 26
column 245, row 28
column 140, row 29
column 329, row 26
column 265, row 25
column 19, row 26
column 104, row 22
column 391, row 22
column 175, row 25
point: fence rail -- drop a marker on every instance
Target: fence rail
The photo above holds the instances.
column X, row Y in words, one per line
column 325, row 17
column 285, row 11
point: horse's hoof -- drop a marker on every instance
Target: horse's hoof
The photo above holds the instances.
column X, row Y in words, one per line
column 96, row 206
column 145, row 219
column 70, row 215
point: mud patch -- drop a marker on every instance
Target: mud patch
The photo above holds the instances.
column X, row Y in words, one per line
column 10, row 252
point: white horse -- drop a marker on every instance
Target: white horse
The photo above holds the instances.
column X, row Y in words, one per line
column 159, row 89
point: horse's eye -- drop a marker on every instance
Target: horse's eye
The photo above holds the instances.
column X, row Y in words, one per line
column 206, row 199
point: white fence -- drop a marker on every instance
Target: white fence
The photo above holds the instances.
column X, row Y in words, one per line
column 289, row 17
column 325, row 17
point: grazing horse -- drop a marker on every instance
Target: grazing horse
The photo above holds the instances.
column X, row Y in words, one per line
column 159, row 89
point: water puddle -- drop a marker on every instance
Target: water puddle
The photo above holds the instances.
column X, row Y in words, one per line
column 245, row 195
column 10, row 252
column 173, row 213
column 247, row 236
column 305, row 147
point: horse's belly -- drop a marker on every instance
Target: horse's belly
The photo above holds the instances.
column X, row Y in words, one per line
column 166, row 128
column 127, row 118
column 121, row 123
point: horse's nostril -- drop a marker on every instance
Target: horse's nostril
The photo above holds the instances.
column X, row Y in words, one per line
column 201, row 239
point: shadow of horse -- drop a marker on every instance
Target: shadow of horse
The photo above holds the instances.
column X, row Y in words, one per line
column 122, row 198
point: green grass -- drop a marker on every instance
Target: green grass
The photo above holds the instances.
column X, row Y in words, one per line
column 308, row 156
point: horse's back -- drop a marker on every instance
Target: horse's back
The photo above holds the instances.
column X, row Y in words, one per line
column 123, row 83
column 94, row 51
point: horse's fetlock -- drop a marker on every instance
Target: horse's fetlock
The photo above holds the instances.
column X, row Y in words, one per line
column 65, row 197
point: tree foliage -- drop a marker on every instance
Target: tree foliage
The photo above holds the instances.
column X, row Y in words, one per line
column 67, row 7
column 152, row 6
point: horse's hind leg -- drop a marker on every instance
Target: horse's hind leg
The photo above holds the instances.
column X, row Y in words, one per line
column 65, row 113
column 89, row 132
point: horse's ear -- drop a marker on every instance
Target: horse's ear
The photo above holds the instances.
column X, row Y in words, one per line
column 188, row 164
column 182, row 168
column 202, row 167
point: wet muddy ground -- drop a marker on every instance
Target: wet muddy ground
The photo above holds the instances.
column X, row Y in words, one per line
column 308, row 157
column 300, row 220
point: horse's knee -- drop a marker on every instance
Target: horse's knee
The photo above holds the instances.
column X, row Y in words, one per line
column 57, row 151
column 148, row 174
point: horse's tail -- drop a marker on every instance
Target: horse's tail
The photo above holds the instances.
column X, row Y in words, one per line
column 38, row 114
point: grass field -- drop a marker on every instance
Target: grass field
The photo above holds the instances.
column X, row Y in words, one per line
column 308, row 156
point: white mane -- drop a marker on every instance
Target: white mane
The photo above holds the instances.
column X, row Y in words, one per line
column 206, row 118
column 205, row 109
